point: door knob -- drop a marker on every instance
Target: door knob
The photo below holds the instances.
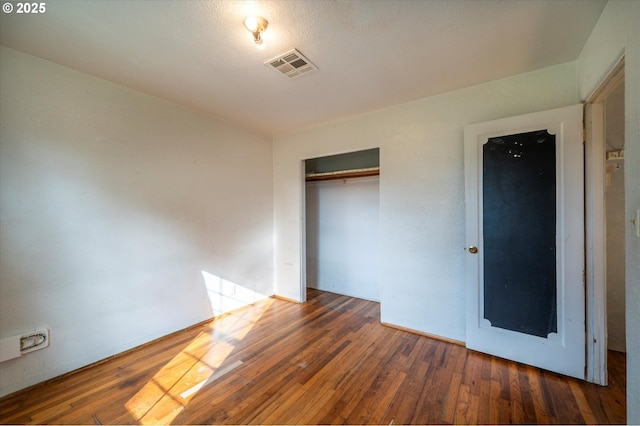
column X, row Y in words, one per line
column 473, row 249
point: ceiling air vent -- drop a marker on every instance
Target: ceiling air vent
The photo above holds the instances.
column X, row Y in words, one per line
column 292, row 64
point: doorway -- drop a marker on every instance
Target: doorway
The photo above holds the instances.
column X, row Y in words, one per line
column 342, row 215
column 605, row 235
column 615, row 219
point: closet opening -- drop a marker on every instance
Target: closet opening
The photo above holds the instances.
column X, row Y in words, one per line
column 342, row 224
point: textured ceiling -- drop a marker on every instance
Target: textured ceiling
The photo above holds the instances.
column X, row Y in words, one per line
column 370, row 53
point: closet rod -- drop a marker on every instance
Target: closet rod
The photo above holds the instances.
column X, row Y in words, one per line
column 343, row 174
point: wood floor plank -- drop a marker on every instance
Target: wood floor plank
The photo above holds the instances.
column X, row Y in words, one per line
column 561, row 398
column 463, row 410
column 539, row 403
column 328, row 361
column 375, row 404
column 402, row 409
column 583, row 405
column 528, row 407
column 437, row 400
column 515, row 395
column 484, row 406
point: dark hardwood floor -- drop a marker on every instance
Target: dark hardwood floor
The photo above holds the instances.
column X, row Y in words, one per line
column 327, row 361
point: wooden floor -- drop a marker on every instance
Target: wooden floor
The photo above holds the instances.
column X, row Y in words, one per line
column 326, row 361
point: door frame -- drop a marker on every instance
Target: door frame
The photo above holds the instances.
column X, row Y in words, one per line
column 595, row 253
column 303, row 232
column 303, row 213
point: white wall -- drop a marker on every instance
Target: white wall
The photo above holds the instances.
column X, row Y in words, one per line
column 421, row 191
column 343, row 236
column 616, row 33
column 615, row 257
column 112, row 205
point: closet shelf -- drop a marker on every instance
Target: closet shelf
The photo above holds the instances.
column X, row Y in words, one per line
column 343, row 174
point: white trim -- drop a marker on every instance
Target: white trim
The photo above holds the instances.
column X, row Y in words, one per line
column 595, row 245
column 303, row 232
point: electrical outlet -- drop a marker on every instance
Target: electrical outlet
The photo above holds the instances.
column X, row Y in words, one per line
column 34, row 341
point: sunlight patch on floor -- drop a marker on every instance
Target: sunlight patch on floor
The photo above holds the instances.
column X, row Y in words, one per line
column 163, row 397
column 160, row 400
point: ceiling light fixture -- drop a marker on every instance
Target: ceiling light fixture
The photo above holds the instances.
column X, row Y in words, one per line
column 256, row 25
